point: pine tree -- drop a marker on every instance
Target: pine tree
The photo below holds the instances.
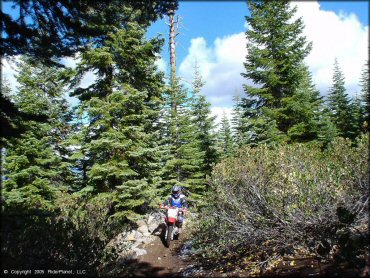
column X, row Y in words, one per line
column 184, row 159
column 184, row 156
column 45, row 30
column 225, row 139
column 204, row 123
column 261, row 129
column 276, row 50
column 121, row 141
column 339, row 104
column 36, row 166
column 365, row 96
column 239, row 122
column 326, row 128
column 357, row 112
column 303, row 110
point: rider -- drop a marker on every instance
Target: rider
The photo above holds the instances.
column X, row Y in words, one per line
column 177, row 199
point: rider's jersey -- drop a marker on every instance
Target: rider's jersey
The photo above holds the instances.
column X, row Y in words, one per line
column 179, row 202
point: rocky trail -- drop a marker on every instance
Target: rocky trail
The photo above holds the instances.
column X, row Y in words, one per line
column 160, row 261
column 151, row 258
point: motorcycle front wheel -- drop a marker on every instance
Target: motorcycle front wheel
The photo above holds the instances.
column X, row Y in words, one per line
column 169, row 234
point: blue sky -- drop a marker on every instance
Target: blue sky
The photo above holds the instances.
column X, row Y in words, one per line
column 212, row 19
column 213, row 34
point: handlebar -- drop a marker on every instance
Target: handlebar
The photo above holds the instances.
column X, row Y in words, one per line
column 167, row 207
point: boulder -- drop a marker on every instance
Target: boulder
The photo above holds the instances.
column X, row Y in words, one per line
column 147, row 239
column 152, row 227
column 123, row 257
column 143, row 229
column 138, row 235
column 150, row 219
column 141, row 223
column 135, row 245
column 139, row 252
column 131, row 236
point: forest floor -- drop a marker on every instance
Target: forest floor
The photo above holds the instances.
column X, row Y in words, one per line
column 179, row 261
column 161, row 261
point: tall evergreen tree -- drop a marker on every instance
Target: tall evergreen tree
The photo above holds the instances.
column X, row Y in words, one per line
column 276, row 50
column 261, row 128
column 225, row 138
column 184, row 157
column 365, row 96
column 339, row 104
column 36, row 164
column 123, row 107
column 204, row 122
column 304, row 110
column 357, row 119
column 46, row 30
column 239, row 122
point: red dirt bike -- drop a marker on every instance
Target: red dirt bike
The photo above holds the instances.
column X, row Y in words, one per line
column 174, row 216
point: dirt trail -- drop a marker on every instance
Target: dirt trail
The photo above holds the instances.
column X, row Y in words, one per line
column 159, row 261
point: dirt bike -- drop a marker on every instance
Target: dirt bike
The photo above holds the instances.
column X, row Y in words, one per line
column 173, row 216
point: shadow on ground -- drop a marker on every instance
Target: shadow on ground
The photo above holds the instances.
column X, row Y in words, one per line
column 135, row 268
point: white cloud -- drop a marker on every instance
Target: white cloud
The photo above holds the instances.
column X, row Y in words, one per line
column 218, row 112
column 9, row 71
column 340, row 36
column 161, row 64
column 220, row 66
column 333, row 35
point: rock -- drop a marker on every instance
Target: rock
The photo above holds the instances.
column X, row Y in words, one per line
column 150, row 219
column 159, row 258
column 141, row 223
column 143, row 229
column 138, row 235
column 140, row 252
column 135, row 245
column 152, row 227
column 123, row 257
column 147, row 234
column 131, row 236
column 148, row 239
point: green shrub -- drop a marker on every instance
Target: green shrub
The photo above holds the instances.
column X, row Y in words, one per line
column 71, row 233
column 269, row 202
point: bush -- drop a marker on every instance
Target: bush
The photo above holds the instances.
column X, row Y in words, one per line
column 72, row 233
column 269, row 202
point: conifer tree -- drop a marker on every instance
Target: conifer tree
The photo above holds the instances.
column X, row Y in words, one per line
column 276, row 50
column 357, row 119
column 204, row 123
column 261, row 128
column 123, row 106
column 239, row 122
column 184, row 158
column 304, row 110
column 365, row 96
column 36, row 164
column 225, row 139
column 339, row 104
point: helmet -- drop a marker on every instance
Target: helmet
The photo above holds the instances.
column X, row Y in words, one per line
column 176, row 191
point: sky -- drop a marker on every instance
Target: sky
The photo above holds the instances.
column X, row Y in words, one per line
column 212, row 33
